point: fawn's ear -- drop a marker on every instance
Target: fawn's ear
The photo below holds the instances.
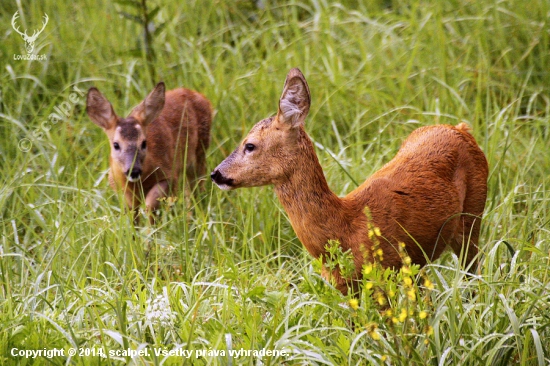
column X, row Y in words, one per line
column 295, row 100
column 100, row 110
column 148, row 110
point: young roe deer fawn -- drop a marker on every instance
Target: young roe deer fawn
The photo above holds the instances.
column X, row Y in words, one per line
column 432, row 194
column 166, row 133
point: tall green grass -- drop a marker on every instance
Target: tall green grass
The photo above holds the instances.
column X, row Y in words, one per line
column 225, row 269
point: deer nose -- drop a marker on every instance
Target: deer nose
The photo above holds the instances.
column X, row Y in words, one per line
column 134, row 173
column 215, row 176
column 218, row 178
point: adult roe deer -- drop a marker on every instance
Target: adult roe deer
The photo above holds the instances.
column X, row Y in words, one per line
column 168, row 132
column 431, row 194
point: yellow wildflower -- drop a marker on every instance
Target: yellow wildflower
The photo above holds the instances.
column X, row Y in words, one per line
column 354, row 303
column 374, row 335
column 423, row 314
column 403, row 315
column 428, row 284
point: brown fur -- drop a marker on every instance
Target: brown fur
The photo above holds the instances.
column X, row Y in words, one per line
column 430, row 195
column 176, row 127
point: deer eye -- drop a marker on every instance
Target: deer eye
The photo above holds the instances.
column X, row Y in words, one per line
column 144, row 145
column 116, row 146
column 249, row 147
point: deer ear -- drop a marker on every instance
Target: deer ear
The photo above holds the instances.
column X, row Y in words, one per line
column 100, row 110
column 148, row 110
column 295, row 100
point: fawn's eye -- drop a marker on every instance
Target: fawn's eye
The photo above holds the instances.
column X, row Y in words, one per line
column 143, row 145
column 249, row 147
column 116, row 146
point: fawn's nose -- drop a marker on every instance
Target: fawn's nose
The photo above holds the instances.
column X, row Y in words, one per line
column 134, row 174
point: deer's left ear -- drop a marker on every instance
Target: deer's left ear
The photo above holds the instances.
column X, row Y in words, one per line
column 148, row 110
column 295, row 100
column 100, row 110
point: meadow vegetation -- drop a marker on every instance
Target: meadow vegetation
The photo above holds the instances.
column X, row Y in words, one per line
column 224, row 270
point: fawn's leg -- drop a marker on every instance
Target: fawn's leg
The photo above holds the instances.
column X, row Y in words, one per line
column 133, row 202
column 152, row 202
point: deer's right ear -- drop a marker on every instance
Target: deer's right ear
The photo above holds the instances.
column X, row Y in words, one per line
column 295, row 100
column 148, row 110
column 100, row 110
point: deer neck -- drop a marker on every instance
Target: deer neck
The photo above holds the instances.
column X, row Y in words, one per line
column 315, row 212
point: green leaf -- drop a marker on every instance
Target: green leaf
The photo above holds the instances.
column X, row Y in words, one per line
column 133, row 18
column 159, row 29
column 153, row 13
column 135, row 52
column 255, row 292
column 344, row 343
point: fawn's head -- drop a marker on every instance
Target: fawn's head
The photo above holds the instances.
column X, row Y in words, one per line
column 127, row 136
column 267, row 153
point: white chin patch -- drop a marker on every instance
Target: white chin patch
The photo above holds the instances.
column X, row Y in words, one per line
column 224, row 187
column 133, row 180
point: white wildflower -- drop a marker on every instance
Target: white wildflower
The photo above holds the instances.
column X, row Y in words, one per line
column 158, row 311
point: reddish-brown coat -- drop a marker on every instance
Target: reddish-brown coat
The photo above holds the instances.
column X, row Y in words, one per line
column 177, row 137
column 430, row 195
column 419, row 198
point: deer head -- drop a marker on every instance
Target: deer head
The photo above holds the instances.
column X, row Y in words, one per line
column 270, row 152
column 29, row 40
column 126, row 135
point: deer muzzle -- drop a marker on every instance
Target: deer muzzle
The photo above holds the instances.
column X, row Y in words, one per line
column 221, row 181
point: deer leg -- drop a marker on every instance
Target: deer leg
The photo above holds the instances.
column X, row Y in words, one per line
column 467, row 236
column 152, row 202
column 133, row 202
